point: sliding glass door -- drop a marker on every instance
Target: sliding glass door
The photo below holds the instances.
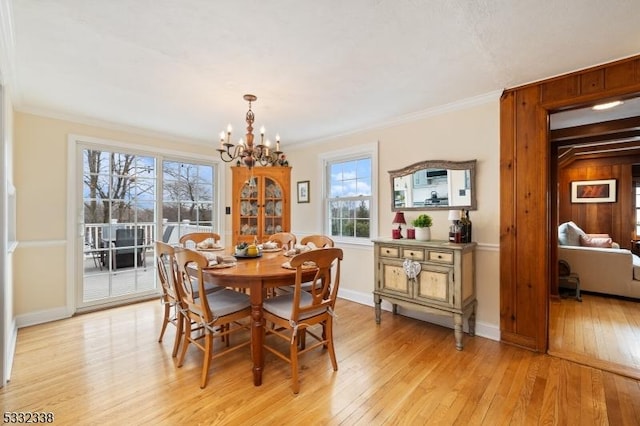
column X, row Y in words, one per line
column 128, row 201
column 119, row 211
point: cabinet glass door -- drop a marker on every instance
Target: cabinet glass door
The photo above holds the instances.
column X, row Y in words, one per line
column 273, row 208
column 249, row 203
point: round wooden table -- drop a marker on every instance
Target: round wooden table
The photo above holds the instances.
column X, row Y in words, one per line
column 257, row 274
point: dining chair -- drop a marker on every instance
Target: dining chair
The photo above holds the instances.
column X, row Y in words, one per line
column 285, row 240
column 217, row 314
column 320, row 241
column 294, row 313
column 168, row 277
column 192, row 239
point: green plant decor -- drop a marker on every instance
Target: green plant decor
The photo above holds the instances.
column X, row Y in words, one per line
column 422, row 221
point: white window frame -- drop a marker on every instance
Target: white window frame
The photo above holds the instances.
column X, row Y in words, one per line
column 369, row 150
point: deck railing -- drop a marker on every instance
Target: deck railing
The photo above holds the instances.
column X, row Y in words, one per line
column 94, row 232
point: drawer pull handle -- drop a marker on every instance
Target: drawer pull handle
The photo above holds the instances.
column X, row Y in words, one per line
column 387, row 251
column 439, row 256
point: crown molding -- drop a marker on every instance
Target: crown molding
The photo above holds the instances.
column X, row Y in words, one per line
column 408, row 118
column 109, row 125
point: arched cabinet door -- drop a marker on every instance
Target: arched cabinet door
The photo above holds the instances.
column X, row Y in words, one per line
column 261, row 202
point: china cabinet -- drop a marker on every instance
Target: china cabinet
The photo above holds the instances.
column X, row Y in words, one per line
column 436, row 277
column 261, row 198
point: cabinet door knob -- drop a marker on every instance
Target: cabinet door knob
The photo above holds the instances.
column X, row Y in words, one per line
column 439, row 256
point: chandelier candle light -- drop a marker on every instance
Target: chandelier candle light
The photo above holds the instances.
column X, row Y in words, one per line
column 248, row 153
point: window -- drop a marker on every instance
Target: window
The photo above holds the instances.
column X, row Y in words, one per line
column 187, row 200
column 349, row 195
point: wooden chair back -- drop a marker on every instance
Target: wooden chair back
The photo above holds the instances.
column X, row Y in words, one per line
column 325, row 283
column 284, row 239
column 190, row 277
column 167, row 271
column 320, row 241
column 192, row 239
column 168, row 277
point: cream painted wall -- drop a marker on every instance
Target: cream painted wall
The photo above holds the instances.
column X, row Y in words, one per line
column 463, row 134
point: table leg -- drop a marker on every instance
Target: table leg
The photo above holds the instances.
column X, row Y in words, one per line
column 257, row 333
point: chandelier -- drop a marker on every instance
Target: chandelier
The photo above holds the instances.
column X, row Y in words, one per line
column 246, row 152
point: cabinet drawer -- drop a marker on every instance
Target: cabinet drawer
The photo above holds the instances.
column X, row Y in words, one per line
column 441, row 256
column 412, row 254
column 386, row 251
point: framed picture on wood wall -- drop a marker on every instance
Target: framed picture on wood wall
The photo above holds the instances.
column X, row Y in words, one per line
column 593, row 191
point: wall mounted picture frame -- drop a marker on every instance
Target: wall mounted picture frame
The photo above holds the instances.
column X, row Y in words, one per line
column 303, row 191
column 593, row 191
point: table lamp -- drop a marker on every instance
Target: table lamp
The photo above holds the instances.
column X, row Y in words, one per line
column 398, row 220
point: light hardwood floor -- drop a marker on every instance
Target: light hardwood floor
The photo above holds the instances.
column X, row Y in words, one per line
column 108, row 368
column 603, row 332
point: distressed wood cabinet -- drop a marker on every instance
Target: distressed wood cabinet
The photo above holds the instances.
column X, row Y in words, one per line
column 444, row 285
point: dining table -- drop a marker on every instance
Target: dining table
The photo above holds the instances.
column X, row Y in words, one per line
column 257, row 274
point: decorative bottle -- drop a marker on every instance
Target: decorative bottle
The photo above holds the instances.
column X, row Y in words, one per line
column 463, row 227
column 468, row 226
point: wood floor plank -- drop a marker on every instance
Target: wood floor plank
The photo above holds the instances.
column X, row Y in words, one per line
column 610, row 330
column 107, row 368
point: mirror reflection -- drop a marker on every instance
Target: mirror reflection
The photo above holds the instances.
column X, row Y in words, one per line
column 431, row 185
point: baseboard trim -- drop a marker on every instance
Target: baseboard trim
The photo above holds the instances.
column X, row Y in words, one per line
column 483, row 329
column 41, row 317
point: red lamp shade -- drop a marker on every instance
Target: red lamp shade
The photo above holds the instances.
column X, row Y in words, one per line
column 399, row 219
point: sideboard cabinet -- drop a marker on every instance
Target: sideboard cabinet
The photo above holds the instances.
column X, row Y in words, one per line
column 261, row 202
column 436, row 277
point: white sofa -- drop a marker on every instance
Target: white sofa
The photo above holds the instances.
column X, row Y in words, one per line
column 604, row 270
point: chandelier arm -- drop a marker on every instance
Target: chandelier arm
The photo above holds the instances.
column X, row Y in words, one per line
column 250, row 154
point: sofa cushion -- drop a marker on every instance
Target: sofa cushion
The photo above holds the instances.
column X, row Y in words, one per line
column 569, row 234
column 636, row 267
column 591, row 241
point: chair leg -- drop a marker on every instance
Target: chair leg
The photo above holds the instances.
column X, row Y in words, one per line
column 179, row 327
column 208, row 345
column 302, row 338
column 185, row 337
column 165, row 320
column 332, row 352
column 293, row 353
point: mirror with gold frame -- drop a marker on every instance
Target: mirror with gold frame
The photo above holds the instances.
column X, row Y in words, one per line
column 434, row 185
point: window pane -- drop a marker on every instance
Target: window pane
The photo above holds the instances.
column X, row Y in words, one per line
column 349, row 197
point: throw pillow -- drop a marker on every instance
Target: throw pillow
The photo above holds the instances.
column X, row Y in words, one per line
column 588, row 241
column 569, row 234
column 562, row 234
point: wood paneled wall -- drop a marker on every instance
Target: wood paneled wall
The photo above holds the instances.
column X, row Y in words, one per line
column 616, row 219
column 528, row 236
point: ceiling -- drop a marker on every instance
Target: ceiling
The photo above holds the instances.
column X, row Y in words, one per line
column 319, row 69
